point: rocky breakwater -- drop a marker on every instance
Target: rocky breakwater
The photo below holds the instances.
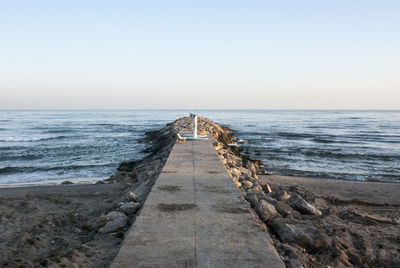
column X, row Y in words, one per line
column 77, row 225
column 310, row 230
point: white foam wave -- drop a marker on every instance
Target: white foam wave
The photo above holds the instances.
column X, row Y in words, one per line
column 27, row 138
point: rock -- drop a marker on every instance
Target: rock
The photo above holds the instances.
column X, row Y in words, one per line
column 237, row 183
column 282, row 195
column 118, row 177
column 246, row 173
column 271, row 200
column 308, row 237
column 293, row 263
column 286, row 211
column 129, row 197
column 233, row 161
column 261, row 195
column 109, row 217
column 127, row 165
column 250, row 166
column 252, row 198
column 67, row 183
column 301, row 205
column 266, row 211
column 247, row 184
column 235, row 172
column 256, row 187
column 129, row 208
column 100, row 182
column 115, row 225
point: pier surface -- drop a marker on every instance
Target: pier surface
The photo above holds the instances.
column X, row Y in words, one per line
column 195, row 217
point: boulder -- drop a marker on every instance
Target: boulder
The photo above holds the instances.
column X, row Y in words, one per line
column 129, row 208
column 129, row 197
column 112, row 216
column 250, row 166
column 246, row 173
column 235, row 172
column 301, row 205
column 247, row 184
column 114, row 226
column 261, row 194
column 237, row 183
column 293, row 263
column 266, row 211
column 308, row 237
column 256, row 187
column 252, row 198
column 67, row 183
column 127, row 165
column 282, row 195
column 118, row 177
column 271, row 200
column 233, row 161
column 286, row 211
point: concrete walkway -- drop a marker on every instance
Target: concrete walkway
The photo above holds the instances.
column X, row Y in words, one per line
column 195, row 217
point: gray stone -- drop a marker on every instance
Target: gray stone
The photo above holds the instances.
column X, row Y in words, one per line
column 286, row 211
column 129, row 197
column 247, row 184
column 250, row 166
column 271, row 200
column 235, row 172
column 308, row 237
column 266, row 211
column 282, row 208
column 233, row 161
column 252, row 199
column 129, row 208
column 246, row 173
column 111, row 216
column 118, row 177
column 114, row 226
column 293, row 263
column 301, row 205
column 282, row 195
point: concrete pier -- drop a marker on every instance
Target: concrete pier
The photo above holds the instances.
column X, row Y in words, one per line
column 195, row 217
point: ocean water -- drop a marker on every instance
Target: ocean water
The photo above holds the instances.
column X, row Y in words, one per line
column 51, row 146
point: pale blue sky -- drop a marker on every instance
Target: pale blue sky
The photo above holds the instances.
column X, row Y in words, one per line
column 200, row 54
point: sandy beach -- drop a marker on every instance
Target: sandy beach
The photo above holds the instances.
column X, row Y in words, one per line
column 372, row 192
column 54, row 225
column 360, row 221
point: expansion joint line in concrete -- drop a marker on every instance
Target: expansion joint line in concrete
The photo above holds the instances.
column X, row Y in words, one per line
column 194, row 202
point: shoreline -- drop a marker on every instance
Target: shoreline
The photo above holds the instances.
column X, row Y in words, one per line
column 355, row 221
column 86, row 181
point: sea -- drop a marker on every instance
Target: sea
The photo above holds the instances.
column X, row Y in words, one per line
column 47, row 147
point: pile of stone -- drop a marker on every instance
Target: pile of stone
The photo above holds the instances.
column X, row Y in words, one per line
column 277, row 209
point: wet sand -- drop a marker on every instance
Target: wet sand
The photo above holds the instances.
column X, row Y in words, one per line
column 373, row 192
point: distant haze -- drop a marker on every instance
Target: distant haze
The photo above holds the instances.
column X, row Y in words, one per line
column 200, row 54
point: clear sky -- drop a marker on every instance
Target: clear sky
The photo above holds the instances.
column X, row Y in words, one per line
column 200, row 54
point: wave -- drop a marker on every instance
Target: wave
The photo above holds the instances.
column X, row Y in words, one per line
column 30, row 169
column 28, row 139
column 295, row 135
column 20, row 157
column 321, row 140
